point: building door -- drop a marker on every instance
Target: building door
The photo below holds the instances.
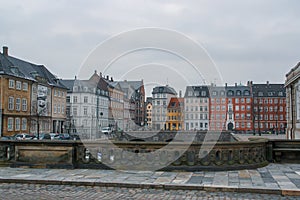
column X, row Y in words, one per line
column 230, row 126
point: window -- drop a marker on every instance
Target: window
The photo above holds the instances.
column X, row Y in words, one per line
column 25, row 86
column 10, row 103
column 242, row 100
column 223, row 100
column 18, row 85
column 55, row 108
column 17, row 124
column 58, row 108
column 74, row 99
column 11, row 83
column 237, row 100
column 85, row 99
column 59, row 95
column 68, row 99
column 75, row 111
column 271, row 101
column 10, row 124
column 248, row 107
column 55, row 93
column 85, row 111
column 248, row 100
column 18, row 104
column 237, row 108
column 24, row 104
column 62, row 109
column 24, row 124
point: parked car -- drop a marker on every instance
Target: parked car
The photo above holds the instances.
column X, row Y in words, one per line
column 74, row 137
column 44, row 136
column 7, row 138
column 62, row 136
column 52, row 135
column 106, row 130
column 22, row 136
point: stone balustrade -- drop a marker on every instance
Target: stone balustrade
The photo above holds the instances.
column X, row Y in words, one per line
column 135, row 155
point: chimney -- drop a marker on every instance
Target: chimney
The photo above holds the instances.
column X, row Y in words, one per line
column 100, row 74
column 225, row 85
column 111, row 79
column 180, row 93
column 107, row 77
column 5, row 50
column 235, row 84
column 267, row 82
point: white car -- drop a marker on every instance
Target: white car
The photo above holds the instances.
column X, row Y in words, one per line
column 23, row 136
column 106, row 130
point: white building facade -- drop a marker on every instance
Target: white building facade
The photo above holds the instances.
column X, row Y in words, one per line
column 196, row 108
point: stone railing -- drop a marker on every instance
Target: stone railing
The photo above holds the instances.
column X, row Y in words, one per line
column 287, row 151
column 125, row 155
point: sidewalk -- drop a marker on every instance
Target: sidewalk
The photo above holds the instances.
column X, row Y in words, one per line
column 283, row 179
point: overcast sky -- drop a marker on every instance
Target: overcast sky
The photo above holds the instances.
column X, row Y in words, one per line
column 247, row 40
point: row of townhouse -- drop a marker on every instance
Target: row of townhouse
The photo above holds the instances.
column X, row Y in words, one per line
column 102, row 102
column 254, row 107
column 33, row 100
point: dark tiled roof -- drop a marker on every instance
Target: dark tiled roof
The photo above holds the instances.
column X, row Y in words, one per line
column 268, row 90
column 196, row 91
column 164, row 89
column 175, row 102
column 238, row 91
column 23, row 69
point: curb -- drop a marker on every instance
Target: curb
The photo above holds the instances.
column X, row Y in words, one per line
column 156, row 186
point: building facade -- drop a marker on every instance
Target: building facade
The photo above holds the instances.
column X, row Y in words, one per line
column 161, row 96
column 269, row 108
column 87, row 106
column 30, row 100
column 149, row 112
column 218, row 104
column 175, row 114
column 292, row 85
column 239, row 108
column 196, row 108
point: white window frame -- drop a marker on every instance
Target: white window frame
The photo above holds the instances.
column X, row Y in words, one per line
column 17, row 124
column 10, row 103
column 25, row 86
column 24, row 104
column 24, row 124
column 11, row 83
column 18, row 85
column 10, row 124
column 18, row 104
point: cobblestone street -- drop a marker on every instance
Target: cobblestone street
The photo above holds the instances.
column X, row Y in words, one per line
column 12, row 191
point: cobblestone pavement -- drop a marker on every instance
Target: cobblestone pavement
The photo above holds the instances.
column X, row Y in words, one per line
column 273, row 179
column 11, row 191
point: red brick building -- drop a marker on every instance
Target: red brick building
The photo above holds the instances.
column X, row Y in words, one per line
column 269, row 108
